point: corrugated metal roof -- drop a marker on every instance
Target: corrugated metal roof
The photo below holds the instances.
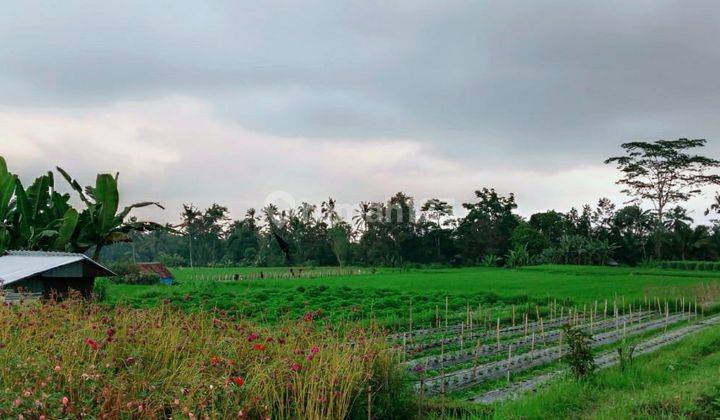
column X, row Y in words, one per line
column 18, row 265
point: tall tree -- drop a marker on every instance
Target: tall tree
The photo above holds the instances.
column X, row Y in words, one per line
column 664, row 172
column 488, row 226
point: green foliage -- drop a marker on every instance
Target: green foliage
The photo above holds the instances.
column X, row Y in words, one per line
column 678, row 381
column 7, row 189
column 579, row 354
column 40, row 218
column 518, row 257
column 144, row 279
column 100, row 224
column 123, row 268
column 490, row 260
column 100, row 289
column 685, row 265
column 625, row 355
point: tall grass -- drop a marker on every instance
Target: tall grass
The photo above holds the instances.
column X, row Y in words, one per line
column 77, row 358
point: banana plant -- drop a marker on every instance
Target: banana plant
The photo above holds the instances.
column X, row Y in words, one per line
column 101, row 224
column 7, row 190
column 42, row 217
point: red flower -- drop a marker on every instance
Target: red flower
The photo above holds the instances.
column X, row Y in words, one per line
column 238, row 380
column 309, row 316
column 215, row 360
column 92, row 343
column 110, row 332
column 259, row 347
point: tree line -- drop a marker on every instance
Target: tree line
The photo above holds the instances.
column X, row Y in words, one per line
column 396, row 232
column 658, row 177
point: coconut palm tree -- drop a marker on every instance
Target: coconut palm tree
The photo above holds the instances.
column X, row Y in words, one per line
column 362, row 216
column 329, row 214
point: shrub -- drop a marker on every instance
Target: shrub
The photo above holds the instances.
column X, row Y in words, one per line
column 100, row 289
column 625, row 355
column 579, row 356
column 124, row 268
column 518, row 257
column 137, row 278
column 490, row 260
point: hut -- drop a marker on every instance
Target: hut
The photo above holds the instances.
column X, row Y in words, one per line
column 48, row 273
column 166, row 276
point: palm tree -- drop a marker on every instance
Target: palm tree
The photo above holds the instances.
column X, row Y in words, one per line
column 329, row 214
column 362, row 216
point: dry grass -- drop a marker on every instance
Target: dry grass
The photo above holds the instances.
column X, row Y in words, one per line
column 77, row 358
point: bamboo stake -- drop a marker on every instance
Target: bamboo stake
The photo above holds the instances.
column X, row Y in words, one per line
column 508, row 362
column 605, row 310
column 446, row 314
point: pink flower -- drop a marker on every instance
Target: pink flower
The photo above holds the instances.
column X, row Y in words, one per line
column 315, row 350
column 65, row 401
column 252, row 337
column 295, row 367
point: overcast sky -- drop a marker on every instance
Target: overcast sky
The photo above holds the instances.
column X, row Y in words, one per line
column 235, row 101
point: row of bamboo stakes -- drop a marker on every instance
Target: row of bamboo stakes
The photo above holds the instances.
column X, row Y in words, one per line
column 573, row 314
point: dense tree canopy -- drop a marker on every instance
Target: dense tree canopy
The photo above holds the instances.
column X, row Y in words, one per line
column 394, row 232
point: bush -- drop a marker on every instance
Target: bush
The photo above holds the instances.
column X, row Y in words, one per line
column 100, row 288
column 137, row 278
column 518, row 257
column 490, row 260
column 579, row 356
column 124, row 268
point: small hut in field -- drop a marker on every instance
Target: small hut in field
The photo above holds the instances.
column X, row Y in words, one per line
column 48, row 274
column 166, row 276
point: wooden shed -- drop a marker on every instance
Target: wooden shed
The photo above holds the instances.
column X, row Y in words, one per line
column 49, row 273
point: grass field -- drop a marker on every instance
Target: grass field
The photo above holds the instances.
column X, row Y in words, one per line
column 261, row 346
column 386, row 295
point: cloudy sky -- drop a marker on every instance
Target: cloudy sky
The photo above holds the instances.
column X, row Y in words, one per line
column 237, row 101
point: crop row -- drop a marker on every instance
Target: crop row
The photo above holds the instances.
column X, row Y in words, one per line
column 606, row 359
column 470, row 353
column 497, row 369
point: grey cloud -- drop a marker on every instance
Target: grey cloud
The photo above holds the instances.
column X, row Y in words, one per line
column 474, row 80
